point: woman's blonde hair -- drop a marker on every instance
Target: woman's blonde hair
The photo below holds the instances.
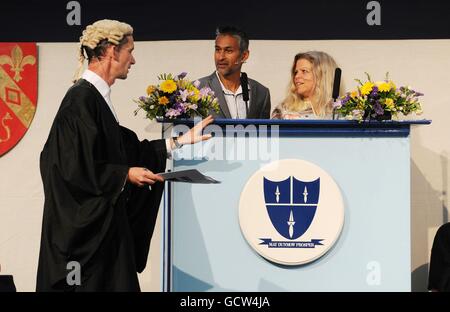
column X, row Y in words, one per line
column 323, row 70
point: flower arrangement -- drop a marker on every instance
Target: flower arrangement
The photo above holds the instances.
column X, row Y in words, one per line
column 177, row 97
column 379, row 100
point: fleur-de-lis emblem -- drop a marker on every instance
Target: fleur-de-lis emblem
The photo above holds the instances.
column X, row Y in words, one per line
column 17, row 61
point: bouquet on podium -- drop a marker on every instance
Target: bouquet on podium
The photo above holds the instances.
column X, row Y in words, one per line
column 380, row 100
column 177, row 97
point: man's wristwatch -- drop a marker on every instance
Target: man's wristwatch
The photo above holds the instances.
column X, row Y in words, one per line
column 176, row 143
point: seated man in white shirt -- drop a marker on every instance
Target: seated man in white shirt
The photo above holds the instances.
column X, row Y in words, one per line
column 239, row 97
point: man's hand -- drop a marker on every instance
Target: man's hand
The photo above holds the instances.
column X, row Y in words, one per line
column 142, row 176
column 195, row 134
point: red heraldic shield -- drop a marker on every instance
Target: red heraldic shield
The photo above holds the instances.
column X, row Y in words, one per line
column 18, row 91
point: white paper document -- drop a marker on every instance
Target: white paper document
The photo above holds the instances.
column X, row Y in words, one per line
column 187, row 176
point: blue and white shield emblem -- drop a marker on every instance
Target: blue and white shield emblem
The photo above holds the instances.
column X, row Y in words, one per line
column 291, row 205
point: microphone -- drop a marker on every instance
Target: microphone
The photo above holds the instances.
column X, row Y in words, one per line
column 336, row 85
column 244, row 86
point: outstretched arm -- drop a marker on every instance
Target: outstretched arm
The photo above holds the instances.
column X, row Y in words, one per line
column 141, row 176
column 195, row 134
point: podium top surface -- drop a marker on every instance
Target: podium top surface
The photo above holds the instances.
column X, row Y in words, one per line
column 351, row 128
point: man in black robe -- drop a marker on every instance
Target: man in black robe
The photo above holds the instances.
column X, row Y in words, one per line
column 98, row 218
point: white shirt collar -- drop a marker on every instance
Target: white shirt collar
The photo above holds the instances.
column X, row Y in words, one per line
column 238, row 91
column 234, row 101
column 102, row 87
column 97, row 81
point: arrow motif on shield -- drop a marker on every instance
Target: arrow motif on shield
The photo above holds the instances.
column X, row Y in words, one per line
column 291, row 205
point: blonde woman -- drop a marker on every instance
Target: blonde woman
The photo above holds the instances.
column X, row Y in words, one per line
column 310, row 89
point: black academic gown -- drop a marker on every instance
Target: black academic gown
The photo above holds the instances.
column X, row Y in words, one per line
column 91, row 215
column 439, row 274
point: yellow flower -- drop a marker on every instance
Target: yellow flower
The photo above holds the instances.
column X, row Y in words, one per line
column 389, row 103
column 354, row 94
column 383, row 86
column 196, row 94
column 392, row 85
column 366, row 88
column 163, row 100
column 151, row 89
column 168, row 86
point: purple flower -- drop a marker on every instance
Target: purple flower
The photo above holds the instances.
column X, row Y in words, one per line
column 184, row 94
column 378, row 109
column 197, row 83
column 180, row 107
column 204, row 92
column 172, row 113
column 182, row 75
column 374, row 92
column 345, row 99
column 142, row 98
column 186, row 106
column 337, row 104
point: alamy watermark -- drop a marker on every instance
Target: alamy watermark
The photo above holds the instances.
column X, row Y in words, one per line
column 232, row 142
column 74, row 275
column 374, row 16
column 74, row 15
column 373, row 277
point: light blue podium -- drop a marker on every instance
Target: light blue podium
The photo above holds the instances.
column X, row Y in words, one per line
column 205, row 250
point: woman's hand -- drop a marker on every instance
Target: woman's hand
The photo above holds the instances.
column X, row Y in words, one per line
column 195, row 134
column 291, row 116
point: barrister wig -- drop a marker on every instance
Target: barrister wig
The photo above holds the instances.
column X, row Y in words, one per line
column 96, row 36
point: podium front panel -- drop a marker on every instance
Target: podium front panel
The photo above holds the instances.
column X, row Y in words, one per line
column 210, row 253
